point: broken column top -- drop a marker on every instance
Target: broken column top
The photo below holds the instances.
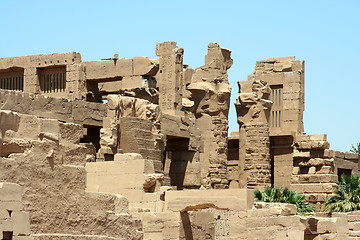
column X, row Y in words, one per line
column 165, row 48
column 217, row 52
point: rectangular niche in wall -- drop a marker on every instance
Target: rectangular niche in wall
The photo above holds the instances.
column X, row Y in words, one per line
column 52, row 79
column 276, row 97
column 12, row 79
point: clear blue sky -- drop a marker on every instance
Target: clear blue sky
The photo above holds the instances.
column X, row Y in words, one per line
column 326, row 34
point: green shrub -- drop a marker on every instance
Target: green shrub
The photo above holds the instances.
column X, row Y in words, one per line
column 285, row 195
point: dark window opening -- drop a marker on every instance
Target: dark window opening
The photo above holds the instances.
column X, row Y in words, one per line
column 7, row 235
column 93, row 94
column 342, row 171
column 92, row 136
column 304, row 170
column 12, row 79
column 149, row 82
column 176, row 160
column 108, row 157
column 52, row 79
column 276, row 96
column 233, row 149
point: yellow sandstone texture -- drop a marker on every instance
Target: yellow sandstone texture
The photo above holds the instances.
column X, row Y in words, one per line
column 139, row 149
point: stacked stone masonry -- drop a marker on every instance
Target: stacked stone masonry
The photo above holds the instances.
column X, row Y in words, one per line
column 139, row 149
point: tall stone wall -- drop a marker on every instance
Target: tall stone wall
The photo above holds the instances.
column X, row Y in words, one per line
column 14, row 222
column 76, row 111
column 316, row 168
column 64, row 74
column 46, row 158
column 285, row 76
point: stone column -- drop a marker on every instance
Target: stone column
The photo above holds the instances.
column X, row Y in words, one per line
column 253, row 108
column 210, row 95
column 170, row 77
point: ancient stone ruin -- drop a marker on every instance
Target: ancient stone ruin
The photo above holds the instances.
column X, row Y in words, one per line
column 139, row 149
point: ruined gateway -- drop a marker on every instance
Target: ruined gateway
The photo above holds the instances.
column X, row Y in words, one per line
column 139, row 149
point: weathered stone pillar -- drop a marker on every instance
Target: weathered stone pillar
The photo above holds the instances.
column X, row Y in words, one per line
column 210, row 95
column 253, row 108
column 170, row 77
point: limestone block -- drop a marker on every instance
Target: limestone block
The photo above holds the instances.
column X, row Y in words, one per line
column 10, row 192
column 14, row 145
column 131, row 82
column 317, row 162
column 29, row 127
column 303, row 145
column 296, row 170
column 70, row 132
column 9, row 120
column 284, row 207
column 353, row 217
column 325, row 170
column 126, row 156
column 301, row 154
column 283, row 66
column 98, row 70
column 316, row 197
column 351, row 156
column 133, row 195
column 121, row 204
column 145, row 66
column 152, row 180
column 320, row 144
column 6, row 225
column 4, row 214
column 11, row 205
column 339, row 154
column 50, row 126
column 354, row 226
column 317, row 178
column 354, row 234
column 262, row 222
column 233, row 199
column 302, row 138
column 314, row 188
column 326, row 225
column 234, row 184
column 21, row 223
column 295, row 234
column 295, row 179
column 23, row 238
column 312, row 170
column 318, row 137
column 156, row 222
column 329, row 153
column 165, row 48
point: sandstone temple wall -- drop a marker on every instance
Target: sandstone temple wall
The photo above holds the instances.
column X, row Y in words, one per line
column 48, row 162
column 139, row 149
column 14, row 222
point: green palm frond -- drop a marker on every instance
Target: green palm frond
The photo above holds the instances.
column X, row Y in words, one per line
column 356, row 148
column 285, row 195
column 347, row 197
